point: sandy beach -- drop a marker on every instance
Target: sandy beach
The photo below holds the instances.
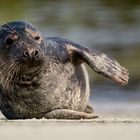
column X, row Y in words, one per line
column 99, row 129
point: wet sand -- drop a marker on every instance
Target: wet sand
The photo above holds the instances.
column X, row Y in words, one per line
column 99, row 129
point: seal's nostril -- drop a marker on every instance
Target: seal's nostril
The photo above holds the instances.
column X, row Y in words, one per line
column 31, row 53
column 27, row 54
column 35, row 53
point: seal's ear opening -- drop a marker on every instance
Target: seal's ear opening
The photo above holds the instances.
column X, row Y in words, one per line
column 100, row 63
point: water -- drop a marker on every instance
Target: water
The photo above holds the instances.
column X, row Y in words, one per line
column 109, row 26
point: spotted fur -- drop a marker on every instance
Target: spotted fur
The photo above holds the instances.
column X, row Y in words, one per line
column 54, row 84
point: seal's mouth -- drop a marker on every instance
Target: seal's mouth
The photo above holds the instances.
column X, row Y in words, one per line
column 19, row 72
column 31, row 65
column 28, row 72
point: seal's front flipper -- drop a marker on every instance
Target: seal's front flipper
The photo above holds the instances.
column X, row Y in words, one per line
column 68, row 114
column 99, row 62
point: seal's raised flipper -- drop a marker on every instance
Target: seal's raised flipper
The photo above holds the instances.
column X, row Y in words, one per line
column 99, row 62
column 69, row 114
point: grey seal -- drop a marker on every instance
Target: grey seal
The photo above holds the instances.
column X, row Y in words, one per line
column 45, row 77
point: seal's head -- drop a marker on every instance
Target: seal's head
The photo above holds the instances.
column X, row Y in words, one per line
column 21, row 49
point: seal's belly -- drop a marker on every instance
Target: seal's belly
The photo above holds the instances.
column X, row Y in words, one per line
column 65, row 87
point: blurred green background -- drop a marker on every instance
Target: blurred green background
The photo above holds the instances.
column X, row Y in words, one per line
column 110, row 26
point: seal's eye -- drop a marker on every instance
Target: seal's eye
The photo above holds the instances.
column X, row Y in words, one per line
column 10, row 39
column 37, row 38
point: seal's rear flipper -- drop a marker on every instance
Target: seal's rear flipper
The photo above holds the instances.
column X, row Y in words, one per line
column 89, row 109
column 99, row 62
column 69, row 114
